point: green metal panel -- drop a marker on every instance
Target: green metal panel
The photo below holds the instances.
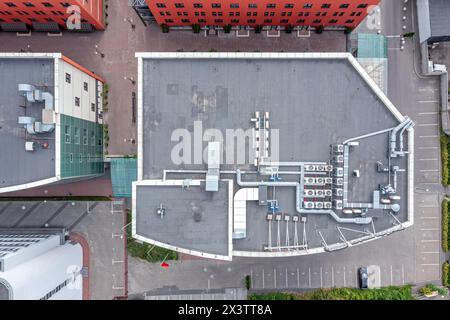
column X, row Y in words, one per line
column 123, row 173
column 81, row 147
column 372, row 46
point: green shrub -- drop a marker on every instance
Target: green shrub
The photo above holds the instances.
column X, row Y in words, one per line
column 165, row 28
column 248, row 282
column 445, row 147
column 319, row 29
column 387, row 293
column 227, row 28
column 445, row 274
column 409, row 34
column 258, row 28
column 196, row 28
column 145, row 251
column 445, row 221
column 430, row 288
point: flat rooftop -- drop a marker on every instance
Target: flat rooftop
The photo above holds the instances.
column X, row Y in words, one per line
column 17, row 165
column 194, row 219
column 313, row 102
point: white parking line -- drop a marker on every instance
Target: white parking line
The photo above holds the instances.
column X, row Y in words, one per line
column 428, row 125
column 286, row 279
column 275, row 278
column 392, row 280
column 403, row 274
column 263, row 278
column 429, row 229
column 427, row 101
column 429, row 159
column 429, row 170
column 428, row 206
column 432, row 240
column 427, row 113
column 298, row 279
column 309, row 270
column 430, row 264
column 432, row 136
column 321, row 278
column 345, row 283
column 332, row 276
column 430, row 252
column 427, row 148
column 429, row 217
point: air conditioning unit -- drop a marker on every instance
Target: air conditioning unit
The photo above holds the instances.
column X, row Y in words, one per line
column 328, row 180
column 327, row 192
column 338, row 192
column 309, row 193
column 338, row 148
column 338, row 181
column 318, row 205
column 308, row 204
column 338, row 159
column 337, row 204
column 327, row 205
column 338, row 172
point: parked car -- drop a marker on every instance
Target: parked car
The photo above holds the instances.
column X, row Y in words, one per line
column 363, row 278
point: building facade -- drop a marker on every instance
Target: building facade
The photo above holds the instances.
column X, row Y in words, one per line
column 51, row 117
column 38, row 264
column 51, row 15
column 315, row 13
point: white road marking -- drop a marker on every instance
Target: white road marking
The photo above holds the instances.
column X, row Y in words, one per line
column 427, row 148
column 403, row 274
column 427, row 113
column 298, row 279
column 309, row 270
column 430, row 264
column 428, row 159
column 427, row 101
column 429, row 229
column 429, row 217
column 263, row 278
column 430, row 252
column 345, row 283
column 332, row 276
column 275, row 278
column 391, row 276
column 321, row 278
column 429, row 240
column 428, row 125
column 431, row 136
column 429, row 170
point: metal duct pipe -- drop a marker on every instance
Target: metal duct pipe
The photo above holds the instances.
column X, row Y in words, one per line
column 298, row 196
column 393, row 138
column 408, row 125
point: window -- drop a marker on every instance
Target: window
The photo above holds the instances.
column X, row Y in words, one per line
column 215, row 5
column 65, row 4
column 71, row 158
column 85, row 137
column 284, row 21
column 252, row 6
column 77, row 102
column 350, row 21
column 326, row 6
column 307, row 6
column 344, row 5
column 80, row 157
column 198, row 5
column 251, row 21
column 10, row 4
column 333, row 21
column 267, row 20
column 234, row 20
column 185, row 20
column 85, row 86
column 68, row 78
column 92, row 107
column 362, row 5
column 100, row 142
column 47, row 4
column 289, row 6
column 76, row 136
column 67, row 133
column 160, row 5
column 271, row 6
column 234, row 5
column 92, row 138
column 218, row 20
column 179, row 5
column 28, row 4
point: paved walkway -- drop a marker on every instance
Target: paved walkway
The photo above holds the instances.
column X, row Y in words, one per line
column 79, row 238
